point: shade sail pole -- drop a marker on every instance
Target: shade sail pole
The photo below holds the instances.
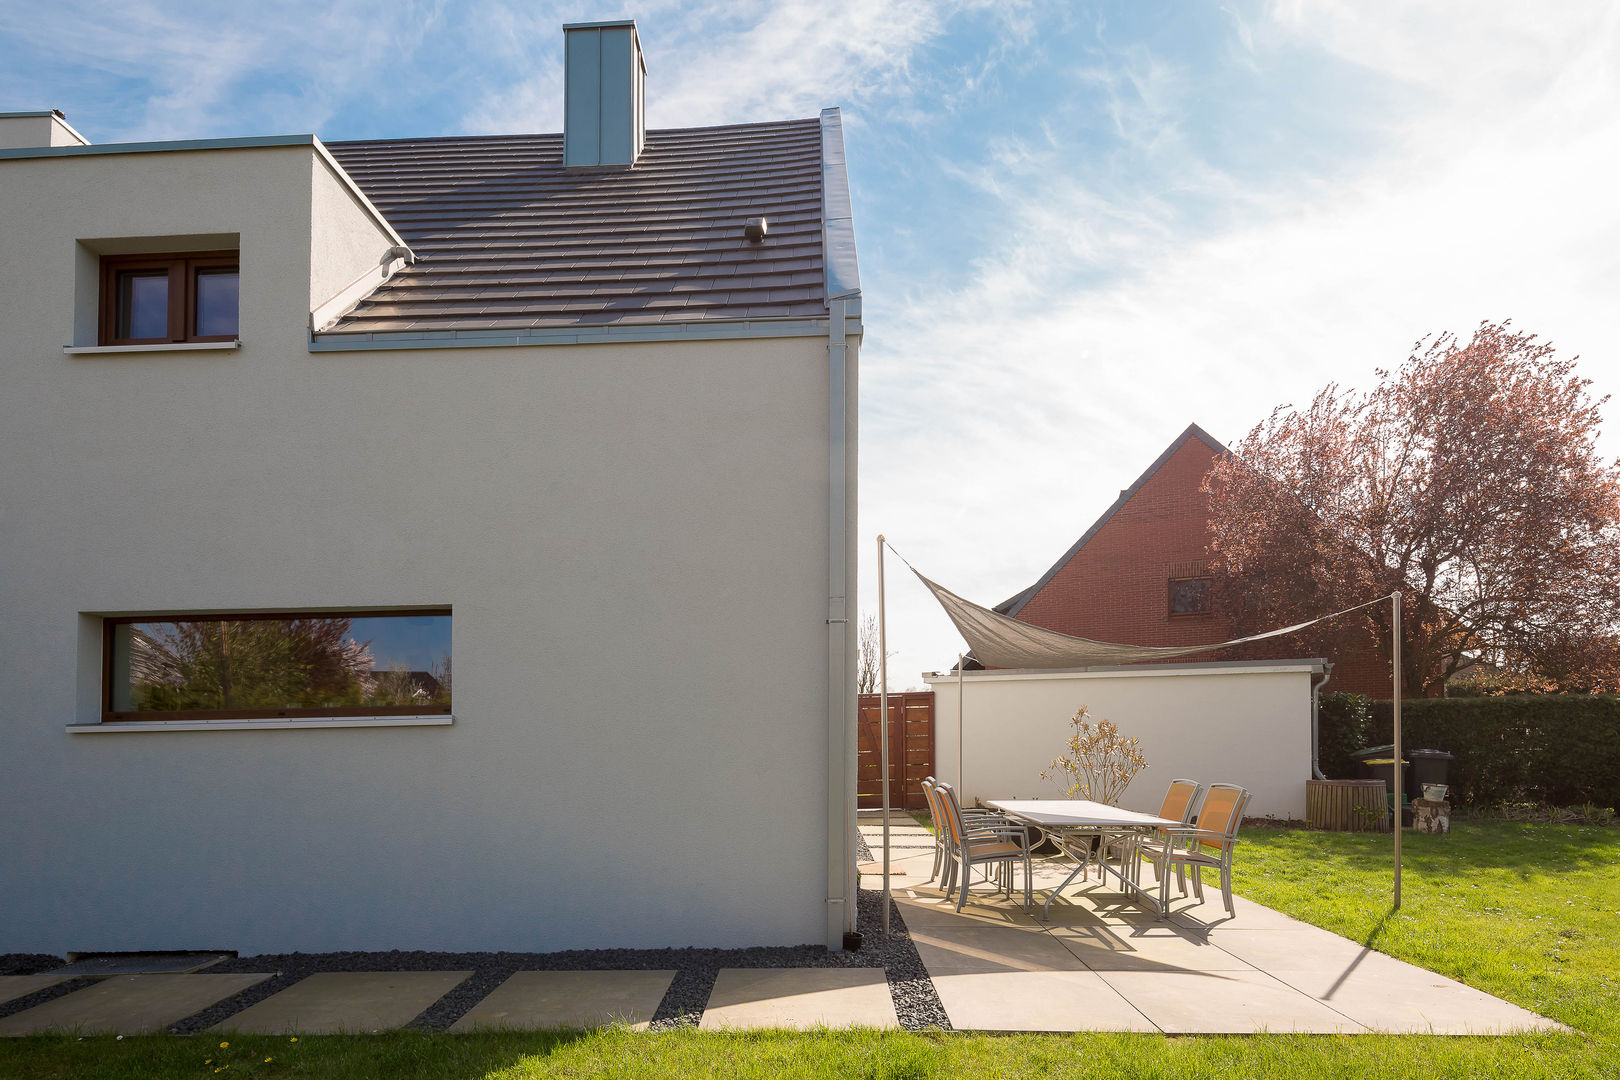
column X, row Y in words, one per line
column 1395, row 651
column 883, row 726
column 961, row 667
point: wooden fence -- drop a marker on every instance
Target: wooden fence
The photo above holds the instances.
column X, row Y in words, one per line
column 911, row 750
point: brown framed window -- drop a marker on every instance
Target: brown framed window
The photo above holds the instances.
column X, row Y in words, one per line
column 264, row 666
column 1189, row 596
column 163, row 299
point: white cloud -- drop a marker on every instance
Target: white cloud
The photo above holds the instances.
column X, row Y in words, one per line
column 736, row 61
column 1001, row 419
column 179, row 71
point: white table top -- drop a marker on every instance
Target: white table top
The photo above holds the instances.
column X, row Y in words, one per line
column 1057, row 813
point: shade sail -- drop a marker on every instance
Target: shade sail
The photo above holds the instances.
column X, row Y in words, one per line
column 1002, row 642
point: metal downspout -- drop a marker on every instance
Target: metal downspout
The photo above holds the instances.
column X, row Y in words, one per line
column 840, row 662
column 1316, row 722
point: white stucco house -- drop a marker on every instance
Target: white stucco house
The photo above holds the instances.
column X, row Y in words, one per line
column 286, row 425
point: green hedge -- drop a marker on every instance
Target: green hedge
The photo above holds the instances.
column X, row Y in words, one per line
column 1559, row 749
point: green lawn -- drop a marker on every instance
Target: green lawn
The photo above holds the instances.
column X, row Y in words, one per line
column 1528, row 912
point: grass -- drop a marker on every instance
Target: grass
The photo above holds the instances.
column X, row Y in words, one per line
column 1524, row 911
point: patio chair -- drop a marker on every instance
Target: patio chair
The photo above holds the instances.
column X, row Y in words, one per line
column 1180, row 803
column 1209, row 843
column 942, row 843
column 982, row 841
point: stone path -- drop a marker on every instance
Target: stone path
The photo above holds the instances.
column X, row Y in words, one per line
column 1099, row 964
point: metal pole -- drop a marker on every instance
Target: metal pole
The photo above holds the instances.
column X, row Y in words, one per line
column 883, row 726
column 1396, row 651
column 961, row 668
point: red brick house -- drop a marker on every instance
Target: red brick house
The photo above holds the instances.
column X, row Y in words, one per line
column 1140, row 575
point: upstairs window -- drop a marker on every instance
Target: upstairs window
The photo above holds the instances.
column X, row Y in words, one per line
column 1189, row 596
column 164, row 299
column 294, row 665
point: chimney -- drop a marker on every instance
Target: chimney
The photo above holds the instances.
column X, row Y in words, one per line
column 603, row 122
column 45, row 127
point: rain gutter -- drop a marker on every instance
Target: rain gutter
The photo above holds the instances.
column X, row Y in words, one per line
column 843, row 289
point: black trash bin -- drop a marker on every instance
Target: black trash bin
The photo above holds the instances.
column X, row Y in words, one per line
column 1427, row 767
column 1421, row 767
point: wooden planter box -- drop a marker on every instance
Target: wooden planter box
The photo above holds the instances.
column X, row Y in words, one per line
column 1347, row 805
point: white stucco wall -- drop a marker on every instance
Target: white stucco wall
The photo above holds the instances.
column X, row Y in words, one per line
column 630, row 536
column 1243, row 724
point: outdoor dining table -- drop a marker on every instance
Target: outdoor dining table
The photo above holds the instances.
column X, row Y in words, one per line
column 1072, row 823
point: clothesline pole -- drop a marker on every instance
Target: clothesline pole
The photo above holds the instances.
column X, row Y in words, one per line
column 883, row 727
column 1395, row 651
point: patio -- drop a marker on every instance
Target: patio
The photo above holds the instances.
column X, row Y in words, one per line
column 1102, row 964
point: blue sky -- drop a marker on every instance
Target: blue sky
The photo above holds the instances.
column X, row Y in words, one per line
column 1081, row 227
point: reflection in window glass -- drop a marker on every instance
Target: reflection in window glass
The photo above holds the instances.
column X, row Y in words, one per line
column 1189, row 596
column 280, row 665
column 216, row 303
column 143, row 304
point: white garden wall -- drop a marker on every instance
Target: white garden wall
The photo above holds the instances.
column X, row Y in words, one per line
column 1247, row 723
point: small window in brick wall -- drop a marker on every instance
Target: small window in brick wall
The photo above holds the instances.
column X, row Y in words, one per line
column 1189, row 595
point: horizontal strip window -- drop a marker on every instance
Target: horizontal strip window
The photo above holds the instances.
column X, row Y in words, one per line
column 291, row 665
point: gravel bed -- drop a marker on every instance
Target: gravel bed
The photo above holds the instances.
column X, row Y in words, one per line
column 915, row 1001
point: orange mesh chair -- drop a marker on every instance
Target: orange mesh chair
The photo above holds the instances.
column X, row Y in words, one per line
column 981, row 841
column 1209, row 843
column 1179, row 803
column 943, row 867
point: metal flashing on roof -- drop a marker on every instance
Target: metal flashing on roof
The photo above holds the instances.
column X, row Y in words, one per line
column 1014, row 604
column 838, row 214
column 245, row 143
column 712, row 330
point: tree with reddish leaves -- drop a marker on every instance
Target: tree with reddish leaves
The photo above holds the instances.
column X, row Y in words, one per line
column 1470, row 480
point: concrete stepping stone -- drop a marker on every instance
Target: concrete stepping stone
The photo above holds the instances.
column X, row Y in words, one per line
column 1225, row 1002
column 531, row 1000
column 1036, row 1001
column 1390, row 995
column 356, row 1002
column 128, row 1004
column 800, row 998
column 13, row 987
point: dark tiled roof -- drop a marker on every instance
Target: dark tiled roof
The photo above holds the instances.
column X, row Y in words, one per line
column 506, row 238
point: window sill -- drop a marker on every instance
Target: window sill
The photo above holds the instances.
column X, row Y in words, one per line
column 267, row 724
column 166, row 346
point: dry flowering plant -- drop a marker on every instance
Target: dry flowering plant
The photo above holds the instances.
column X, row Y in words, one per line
column 1100, row 763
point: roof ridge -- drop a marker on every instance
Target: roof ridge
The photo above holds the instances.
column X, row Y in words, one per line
column 1015, row 603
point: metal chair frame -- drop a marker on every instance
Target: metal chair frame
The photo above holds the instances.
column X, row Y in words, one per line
column 1221, row 835
column 997, row 842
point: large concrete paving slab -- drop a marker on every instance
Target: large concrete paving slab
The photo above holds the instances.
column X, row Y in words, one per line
column 1224, row 1002
column 128, row 1004
column 1308, row 948
column 978, row 950
column 356, row 1002
column 13, row 987
column 531, row 1000
column 1036, row 1001
column 1389, row 995
column 800, row 998
column 1144, row 946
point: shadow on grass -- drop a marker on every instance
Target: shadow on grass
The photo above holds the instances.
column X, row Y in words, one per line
column 398, row 1055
